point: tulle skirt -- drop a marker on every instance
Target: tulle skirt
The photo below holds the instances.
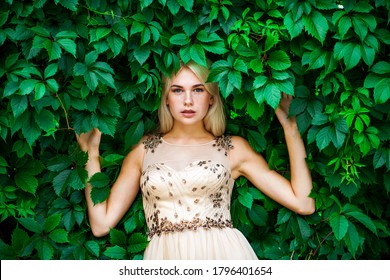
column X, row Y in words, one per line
column 202, row 244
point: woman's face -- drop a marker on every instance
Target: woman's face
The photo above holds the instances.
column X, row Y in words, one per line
column 188, row 100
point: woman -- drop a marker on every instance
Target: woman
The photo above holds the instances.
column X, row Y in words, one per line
column 187, row 171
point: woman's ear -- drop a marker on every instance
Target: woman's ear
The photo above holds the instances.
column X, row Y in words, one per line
column 211, row 102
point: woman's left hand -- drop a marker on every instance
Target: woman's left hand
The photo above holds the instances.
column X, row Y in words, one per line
column 282, row 112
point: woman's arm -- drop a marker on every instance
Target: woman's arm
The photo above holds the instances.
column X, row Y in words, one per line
column 293, row 194
column 105, row 215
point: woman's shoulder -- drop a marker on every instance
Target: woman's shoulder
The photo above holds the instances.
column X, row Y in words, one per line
column 239, row 144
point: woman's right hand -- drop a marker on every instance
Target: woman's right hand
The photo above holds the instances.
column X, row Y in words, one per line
column 89, row 141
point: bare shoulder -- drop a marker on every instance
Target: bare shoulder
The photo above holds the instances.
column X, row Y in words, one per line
column 240, row 145
column 240, row 154
column 134, row 158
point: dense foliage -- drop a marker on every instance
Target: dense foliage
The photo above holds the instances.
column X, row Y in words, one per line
column 69, row 65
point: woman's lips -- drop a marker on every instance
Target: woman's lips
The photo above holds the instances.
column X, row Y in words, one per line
column 188, row 113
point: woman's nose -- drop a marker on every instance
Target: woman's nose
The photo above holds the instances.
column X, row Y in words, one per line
column 188, row 98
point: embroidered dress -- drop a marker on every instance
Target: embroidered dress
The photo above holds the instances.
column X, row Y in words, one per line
column 186, row 193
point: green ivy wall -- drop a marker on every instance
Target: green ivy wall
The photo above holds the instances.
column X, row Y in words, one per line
column 69, row 65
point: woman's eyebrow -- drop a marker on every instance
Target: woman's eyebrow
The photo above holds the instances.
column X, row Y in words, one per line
column 194, row 86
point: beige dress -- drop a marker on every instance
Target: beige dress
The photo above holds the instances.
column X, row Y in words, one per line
column 186, row 193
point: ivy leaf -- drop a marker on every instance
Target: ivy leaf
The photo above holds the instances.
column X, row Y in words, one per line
column 52, row 222
column 179, row 39
column 272, row 95
column 323, row 138
column 116, row 252
column 99, row 180
column 31, row 225
column 339, row 225
column 68, row 45
column 246, row 199
column 134, row 134
column 352, row 239
column 60, row 181
column 117, row 237
column 258, row 215
column 294, row 27
column 137, row 242
column 316, row 25
column 26, row 182
column 92, row 247
column 382, row 91
column 186, row 4
column 279, row 60
column 59, row 236
column 363, row 219
column 69, row 4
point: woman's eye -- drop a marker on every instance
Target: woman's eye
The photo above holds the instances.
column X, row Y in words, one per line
column 199, row 90
column 177, row 90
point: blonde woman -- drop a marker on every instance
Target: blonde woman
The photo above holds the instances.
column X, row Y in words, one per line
column 186, row 174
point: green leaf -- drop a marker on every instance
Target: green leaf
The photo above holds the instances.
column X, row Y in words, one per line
column 92, row 247
column 339, row 225
column 27, row 86
column 382, row 67
column 45, row 250
column 352, row 55
column 142, row 53
column 294, row 27
column 279, row 60
column 69, row 4
column 352, row 239
column 117, row 237
column 303, row 230
column 272, row 95
column 382, row 91
column 59, row 235
column 40, row 90
column 26, row 182
column 19, row 105
column 115, row 43
column 106, row 124
column 109, row 106
column 134, row 134
column 284, row 216
column 31, row 225
column 137, row 243
column 52, row 222
column 316, row 25
column 180, row 39
column 323, row 138
column 363, row 219
column 198, row 55
column 51, row 70
column 186, row 4
column 258, row 215
column 246, row 199
column 99, row 180
column 116, row 252
column 100, row 194
column 61, row 181
column 68, row 45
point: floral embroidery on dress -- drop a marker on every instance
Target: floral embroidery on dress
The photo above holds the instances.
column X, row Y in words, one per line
column 152, row 142
column 163, row 225
column 223, row 142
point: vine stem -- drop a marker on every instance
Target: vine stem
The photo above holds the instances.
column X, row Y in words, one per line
column 322, row 241
column 66, row 113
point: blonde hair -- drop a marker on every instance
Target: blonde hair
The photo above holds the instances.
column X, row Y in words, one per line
column 214, row 120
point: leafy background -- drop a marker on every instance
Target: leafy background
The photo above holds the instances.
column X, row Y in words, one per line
column 69, row 65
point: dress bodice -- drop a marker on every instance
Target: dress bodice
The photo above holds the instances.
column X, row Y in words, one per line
column 185, row 187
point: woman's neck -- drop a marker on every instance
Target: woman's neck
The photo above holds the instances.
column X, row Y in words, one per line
column 188, row 135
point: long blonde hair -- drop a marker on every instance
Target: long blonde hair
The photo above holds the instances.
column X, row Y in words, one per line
column 214, row 120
